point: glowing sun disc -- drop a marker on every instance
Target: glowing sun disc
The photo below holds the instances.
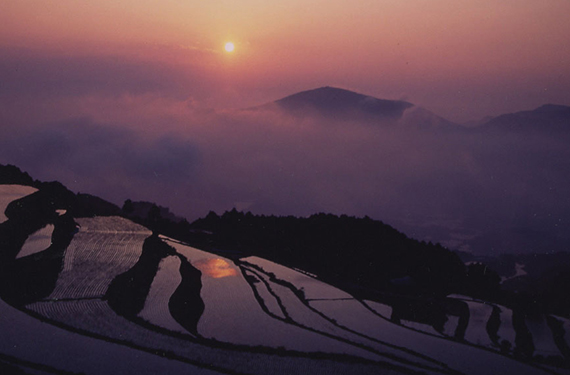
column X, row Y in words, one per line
column 229, row 47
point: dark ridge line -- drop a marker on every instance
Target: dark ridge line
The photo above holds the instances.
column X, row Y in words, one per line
column 335, row 323
column 355, row 344
column 33, row 365
column 448, row 338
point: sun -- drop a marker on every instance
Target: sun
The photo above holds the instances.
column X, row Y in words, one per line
column 229, row 47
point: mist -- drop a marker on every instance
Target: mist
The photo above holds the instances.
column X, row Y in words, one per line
column 467, row 189
column 130, row 128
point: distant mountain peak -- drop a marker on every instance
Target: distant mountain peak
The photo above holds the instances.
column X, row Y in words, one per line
column 551, row 108
column 340, row 103
column 548, row 117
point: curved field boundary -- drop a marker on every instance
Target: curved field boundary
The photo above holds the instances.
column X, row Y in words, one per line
column 233, row 314
column 469, row 359
column 542, row 337
column 479, row 315
column 155, row 309
column 94, row 258
column 38, row 241
column 311, row 287
column 301, row 312
column 10, row 193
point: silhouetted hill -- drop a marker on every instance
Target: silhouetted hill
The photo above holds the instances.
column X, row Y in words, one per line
column 141, row 210
column 359, row 251
column 10, row 174
column 549, row 118
column 340, row 103
column 89, row 205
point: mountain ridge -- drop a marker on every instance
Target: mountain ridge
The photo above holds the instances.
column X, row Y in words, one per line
column 339, row 103
column 342, row 104
column 551, row 117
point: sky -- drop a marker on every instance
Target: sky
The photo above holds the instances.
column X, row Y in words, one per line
column 461, row 59
column 139, row 100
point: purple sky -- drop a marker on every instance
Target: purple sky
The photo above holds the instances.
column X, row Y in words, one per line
column 137, row 100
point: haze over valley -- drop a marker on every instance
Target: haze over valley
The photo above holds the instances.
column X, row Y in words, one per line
column 501, row 186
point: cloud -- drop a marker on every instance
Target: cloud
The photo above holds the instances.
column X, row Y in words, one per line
column 130, row 129
column 100, row 158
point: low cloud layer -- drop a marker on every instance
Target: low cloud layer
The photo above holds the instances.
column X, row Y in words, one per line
column 130, row 130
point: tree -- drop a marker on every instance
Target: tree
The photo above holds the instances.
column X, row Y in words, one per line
column 481, row 281
column 154, row 217
column 128, row 207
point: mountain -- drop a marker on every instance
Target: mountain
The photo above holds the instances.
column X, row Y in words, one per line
column 548, row 119
column 339, row 103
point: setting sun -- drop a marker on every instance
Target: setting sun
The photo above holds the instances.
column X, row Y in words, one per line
column 229, row 47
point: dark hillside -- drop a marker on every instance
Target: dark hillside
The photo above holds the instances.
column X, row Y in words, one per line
column 357, row 251
column 12, row 175
column 548, row 119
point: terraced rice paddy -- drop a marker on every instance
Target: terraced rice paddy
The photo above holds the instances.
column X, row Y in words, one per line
column 362, row 324
column 37, row 242
column 506, row 331
column 96, row 318
column 258, row 317
column 165, row 282
column 383, row 310
column 541, row 337
column 38, row 347
column 479, row 315
column 103, row 249
column 227, row 295
column 311, row 287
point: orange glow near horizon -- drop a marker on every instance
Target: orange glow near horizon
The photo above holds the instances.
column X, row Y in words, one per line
column 216, row 268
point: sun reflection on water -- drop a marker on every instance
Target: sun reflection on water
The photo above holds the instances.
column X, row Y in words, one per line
column 216, row 268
